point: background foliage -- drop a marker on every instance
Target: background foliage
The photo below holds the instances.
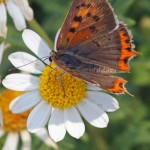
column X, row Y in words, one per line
column 129, row 127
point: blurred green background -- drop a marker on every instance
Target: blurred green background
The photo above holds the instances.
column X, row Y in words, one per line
column 129, row 127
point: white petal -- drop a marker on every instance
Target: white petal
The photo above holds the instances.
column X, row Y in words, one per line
column 56, row 125
column 25, row 102
column 16, row 15
column 26, row 140
column 107, row 102
column 3, row 20
column 93, row 87
column 56, row 38
column 44, row 136
column 36, row 44
column 21, row 82
column 11, row 142
column 26, row 62
column 1, row 133
column 39, row 117
column 93, row 114
column 73, row 123
column 2, row 48
column 1, row 119
column 25, row 9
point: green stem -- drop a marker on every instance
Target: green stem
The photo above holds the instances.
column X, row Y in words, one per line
column 37, row 28
column 96, row 138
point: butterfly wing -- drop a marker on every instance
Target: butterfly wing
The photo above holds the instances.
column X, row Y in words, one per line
column 92, row 45
column 107, row 82
column 111, row 50
column 84, row 20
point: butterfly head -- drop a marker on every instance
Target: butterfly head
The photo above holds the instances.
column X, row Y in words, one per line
column 50, row 58
column 51, row 55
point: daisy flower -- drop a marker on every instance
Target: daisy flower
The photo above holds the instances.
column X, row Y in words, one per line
column 14, row 125
column 19, row 10
column 61, row 108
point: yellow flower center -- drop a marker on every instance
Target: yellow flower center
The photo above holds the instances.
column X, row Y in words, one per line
column 61, row 91
column 2, row 1
column 11, row 122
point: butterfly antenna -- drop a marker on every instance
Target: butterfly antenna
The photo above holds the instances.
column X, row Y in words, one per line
column 12, row 69
column 15, row 68
column 44, row 60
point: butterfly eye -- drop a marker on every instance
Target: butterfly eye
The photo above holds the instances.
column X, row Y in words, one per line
column 50, row 59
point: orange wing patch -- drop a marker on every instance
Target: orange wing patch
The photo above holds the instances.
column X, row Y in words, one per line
column 118, row 86
column 127, row 51
column 83, row 11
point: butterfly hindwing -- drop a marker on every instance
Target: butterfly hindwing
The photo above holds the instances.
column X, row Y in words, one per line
column 111, row 50
column 99, row 75
column 110, row 83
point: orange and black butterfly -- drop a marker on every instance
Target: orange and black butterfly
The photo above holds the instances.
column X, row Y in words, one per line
column 93, row 45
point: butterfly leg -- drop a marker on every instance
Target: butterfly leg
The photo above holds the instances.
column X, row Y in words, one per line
column 43, row 59
column 53, row 69
column 60, row 82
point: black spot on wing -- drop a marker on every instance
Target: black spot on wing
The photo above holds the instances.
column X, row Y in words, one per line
column 92, row 28
column 88, row 5
column 127, row 41
column 96, row 18
column 120, row 84
column 83, row 5
column 78, row 18
column 89, row 14
column 128, row 49
column 126, row 60
column 73, row 30
column 125, row 34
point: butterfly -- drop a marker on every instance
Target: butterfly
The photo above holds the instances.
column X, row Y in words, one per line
column 93, row 45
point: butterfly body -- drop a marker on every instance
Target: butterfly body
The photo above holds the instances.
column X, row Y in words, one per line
column 93, row 45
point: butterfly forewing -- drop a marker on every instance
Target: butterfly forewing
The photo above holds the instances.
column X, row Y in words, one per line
column 85, row 19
